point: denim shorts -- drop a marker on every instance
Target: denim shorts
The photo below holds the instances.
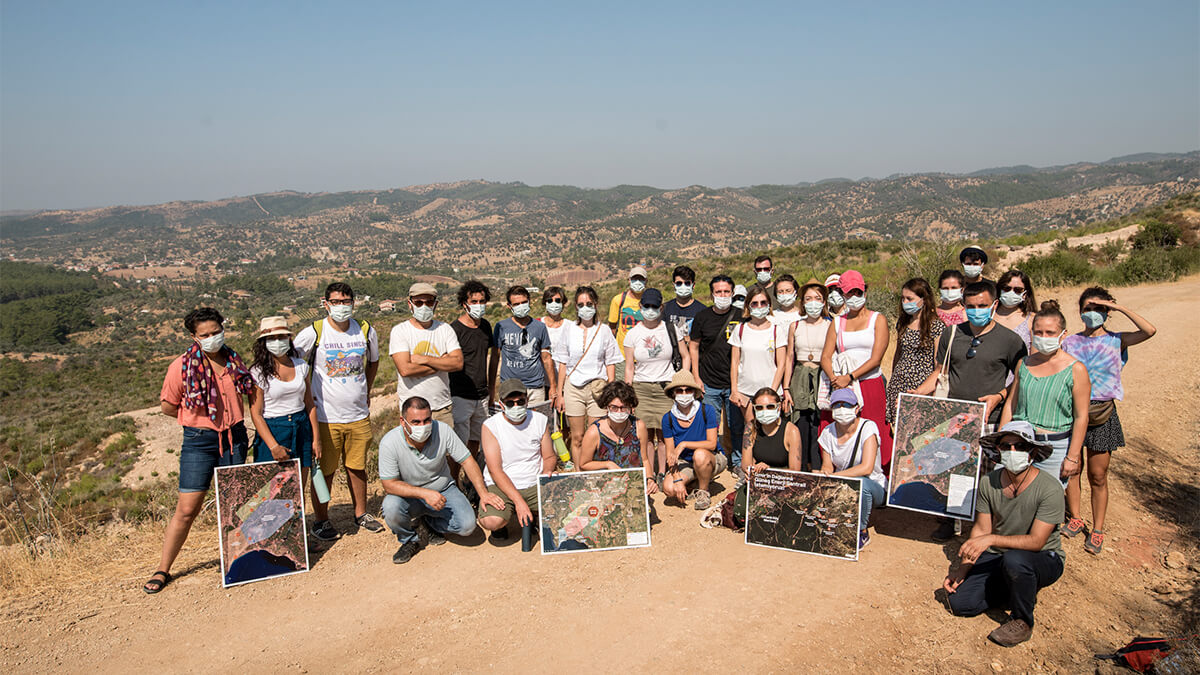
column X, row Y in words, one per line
column 204, row 450
column 293, row 432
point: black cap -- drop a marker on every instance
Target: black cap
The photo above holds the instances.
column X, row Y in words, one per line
column 652, row 296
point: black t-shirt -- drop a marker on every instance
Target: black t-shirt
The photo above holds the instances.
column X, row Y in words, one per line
column 711, row 332
column 997, row 354
column 681, row 317
column 471, row 382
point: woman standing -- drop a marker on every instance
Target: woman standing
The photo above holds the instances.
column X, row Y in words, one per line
column 555, row 299
column 281, row 406
column 586, row 353
column 203, row 390
column 950, row 291
column 802, row 371
column 850, row 448
column 1017, row 305
column 917, row 333
column 786, row 295
column 862, row 335
column 651, row 351
column 1103, row 352
column 617, row 440
column 1050, row 391
column 757, row 354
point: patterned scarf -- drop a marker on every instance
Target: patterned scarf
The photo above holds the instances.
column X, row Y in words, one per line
column 200, row 383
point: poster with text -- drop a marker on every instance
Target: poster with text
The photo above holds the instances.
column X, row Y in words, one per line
column 935, row 455
column 260, row 521
column 805, row 512
column 593, row 511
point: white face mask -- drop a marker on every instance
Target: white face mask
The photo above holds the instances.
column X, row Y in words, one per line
column 767, row 416
column 279, row 347
column 1015, row 461
column 813, row 308
column 213, row 343
column 420, row 432
column 587, row 313
column 844, row 415
column 637, row 285
column 856, row 302
column 521, row 311
column 763, row 277
column 1047, row 345
column 618, row 417
column 476, row 311
column 972, row 271
column 651, row 314
column 515, row 413
column 835, row 299
column 786, row 299
column 1011, row 299
column 554, row 308
column 739, row 303
column 423, row 314
column 722, row 302
column 340, row 313
column 683, row 290
column 950, row 294
column 760, row 312
column 684, row 400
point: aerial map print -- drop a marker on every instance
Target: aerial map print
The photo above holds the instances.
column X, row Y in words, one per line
column 806, row 512
column 593, row 510
column 260, row 520
column 935, row 460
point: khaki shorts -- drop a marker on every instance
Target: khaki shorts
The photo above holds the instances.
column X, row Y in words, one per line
column 444, row 415
column 580, row 402
column 344, row 444
column 529, row 494
column 688, row 470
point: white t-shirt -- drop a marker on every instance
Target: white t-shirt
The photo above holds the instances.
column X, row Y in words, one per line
column 597, row 341
column 520, row 448
column 555, row 333
column 784, row 319
column 438, row 340
column 340, row 379
column 756, row 369
column 282, row 398
column 651, row 353
column 841, row 453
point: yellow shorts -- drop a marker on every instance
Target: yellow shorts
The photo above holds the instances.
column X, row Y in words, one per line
column 344, row 444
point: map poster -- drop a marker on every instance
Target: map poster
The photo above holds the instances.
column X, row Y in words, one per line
column 260, row 521
column 805, row 512
column 593, row 510
column 935, row 455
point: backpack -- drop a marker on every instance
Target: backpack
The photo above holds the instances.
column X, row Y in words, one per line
column 364, row 325
column 1141, row 654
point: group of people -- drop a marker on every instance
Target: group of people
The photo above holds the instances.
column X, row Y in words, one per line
column 792, row 372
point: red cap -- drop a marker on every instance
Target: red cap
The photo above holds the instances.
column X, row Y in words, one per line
column 851, row 280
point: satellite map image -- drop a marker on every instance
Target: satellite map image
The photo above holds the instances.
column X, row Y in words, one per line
column 260, row 512
column 935, row 461
column 594, row 510
column 805, row 512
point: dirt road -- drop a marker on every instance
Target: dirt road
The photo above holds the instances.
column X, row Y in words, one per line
column 697, row 600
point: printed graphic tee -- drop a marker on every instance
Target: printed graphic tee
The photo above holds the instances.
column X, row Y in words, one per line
column 339, row 379
column 437, row 340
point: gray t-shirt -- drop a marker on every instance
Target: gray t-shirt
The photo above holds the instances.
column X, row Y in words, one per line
column 997, row 354
column 427, row 469
column 521, row 351
column 1012, row 517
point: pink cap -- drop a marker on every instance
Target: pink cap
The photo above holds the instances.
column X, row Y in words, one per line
column 851, row 280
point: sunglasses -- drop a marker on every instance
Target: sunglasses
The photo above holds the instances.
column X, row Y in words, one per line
column 1011, row 445
column 510, row 402
column 1014, row 289
column 767, row 406
column 585, row 304
column 651, row 306
column 764, row 303
column 557, row 300
column 684, row 390
column 974, row 343
column 762, row 269
column 423, row 303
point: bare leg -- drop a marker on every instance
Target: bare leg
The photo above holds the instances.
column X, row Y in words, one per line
column 658, row 449
column 704, row 463
column 1074, row 495
column 358, row 490
column 578, row 425
column 492, row 523
column 1097, row 470
column 186, row 510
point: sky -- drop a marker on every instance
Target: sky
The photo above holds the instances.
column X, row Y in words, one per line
column 105, row 103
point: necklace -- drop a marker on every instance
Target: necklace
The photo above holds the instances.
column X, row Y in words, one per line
column 808, row 341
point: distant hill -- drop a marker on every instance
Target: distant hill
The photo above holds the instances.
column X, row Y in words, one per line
column 480, row 227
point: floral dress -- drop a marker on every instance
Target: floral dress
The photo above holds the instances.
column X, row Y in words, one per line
column 912, row 364
column 625, row 452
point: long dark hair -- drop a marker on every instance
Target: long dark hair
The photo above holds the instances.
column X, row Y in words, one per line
column 264, row 360
column 767, row 391
column 1029, row 306
column 925, row 317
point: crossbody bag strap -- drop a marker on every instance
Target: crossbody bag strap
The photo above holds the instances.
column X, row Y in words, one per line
column 585, row 350
column 854, row 453
column 949, row 348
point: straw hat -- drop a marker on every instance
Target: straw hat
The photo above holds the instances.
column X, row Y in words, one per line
column 682, row 379
column 273, row 325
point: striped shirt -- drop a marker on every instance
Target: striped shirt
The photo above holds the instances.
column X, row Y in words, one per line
column 1046, row 402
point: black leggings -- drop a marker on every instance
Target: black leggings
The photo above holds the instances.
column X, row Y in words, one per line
column 809, row 424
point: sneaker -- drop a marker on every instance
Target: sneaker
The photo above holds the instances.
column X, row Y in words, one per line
column 864, row 538
column 1012, row 633
column 500, row 534
column 703, row 500
column 405, row 552
column 944, row 531
column 427, row 534
column 367, row 522
column 1073, row 527
column 1094, row 543
column 325, row 531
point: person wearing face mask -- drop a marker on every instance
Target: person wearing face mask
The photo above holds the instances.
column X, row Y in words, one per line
column 425, row 352
column 281, row 406
column 834, row 296
column 1017, row 305
column 652, row 356
column 421, row 500
column 617, row 440
column 850, row 448
column 524, row 346
column 203, row 390
column 775, row 445
column 690, row 429
column 763, row 271
column 517, row 448
column 802, row 370
column 739, row 297
column 917, row 331
column 469, row 385
column 862, row 336
column 1050, row 391
column 681, row 311
column 950, row 295
column 555, row 300
column 587, row 356
column 624, row 311
column 1015, row 549
column 757, row 352
column 343, row 356
column 1104, row 353
column 787, row 296
column 711, row 356
column 973, row 260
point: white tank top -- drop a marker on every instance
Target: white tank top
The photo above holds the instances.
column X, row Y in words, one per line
column 858, row 344
column 520, row 448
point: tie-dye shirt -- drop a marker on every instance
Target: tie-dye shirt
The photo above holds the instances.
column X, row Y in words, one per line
column 1102, row 356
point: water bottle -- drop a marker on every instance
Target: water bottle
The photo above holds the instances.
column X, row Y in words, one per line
column 318, row 481
column 560, row 447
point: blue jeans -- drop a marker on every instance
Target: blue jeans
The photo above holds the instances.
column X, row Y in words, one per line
column 204, row 450
column 872, row 494
column 455, row 517
column 719, row 399
column 1053, row 464
column 293, row 432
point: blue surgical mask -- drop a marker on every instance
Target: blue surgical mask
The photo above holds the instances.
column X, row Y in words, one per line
column 911, row 308
column 979, row 316
column 1093, row 319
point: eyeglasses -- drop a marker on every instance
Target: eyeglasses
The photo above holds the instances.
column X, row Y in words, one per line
column 619, row 408
column 767, row 406
column 974, row 343
column 423, row 303
column 340, row 301
column 1010, row 445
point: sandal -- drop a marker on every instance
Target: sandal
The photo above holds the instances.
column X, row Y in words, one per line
column 1094, row 543
column 155, row 584
column 1073, row 527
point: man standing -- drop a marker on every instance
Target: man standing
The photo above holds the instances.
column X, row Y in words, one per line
column 425, row 352
column 625, row 310
column 763, row 272
column 469, row 386
column 417, row 483
column 973, row 259
column 516, row 446
column 1015, row 548
column 344, row 357
column 711, row 354
column 524, row 346
column 680, row 312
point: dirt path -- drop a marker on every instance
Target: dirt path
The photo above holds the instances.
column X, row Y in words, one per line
column 1018, row 254
column 697, row 600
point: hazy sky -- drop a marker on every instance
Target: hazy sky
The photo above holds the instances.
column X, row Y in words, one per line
column 132, row 103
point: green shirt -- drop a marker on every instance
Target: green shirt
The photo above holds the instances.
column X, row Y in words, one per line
column 1042, row 500
column 1046, row 402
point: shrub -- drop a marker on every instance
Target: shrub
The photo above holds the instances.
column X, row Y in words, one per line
column 1155, row 233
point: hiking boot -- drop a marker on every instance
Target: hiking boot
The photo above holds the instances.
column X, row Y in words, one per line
column 1073, row 527
column 500, row 534
column 1012, row 633
column 405, row 552
column 1094, row 543
column 426, row 534
column 703, row 500
column 325, row 531
column 367, row 522
column 944, row 531
column 864, row 538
